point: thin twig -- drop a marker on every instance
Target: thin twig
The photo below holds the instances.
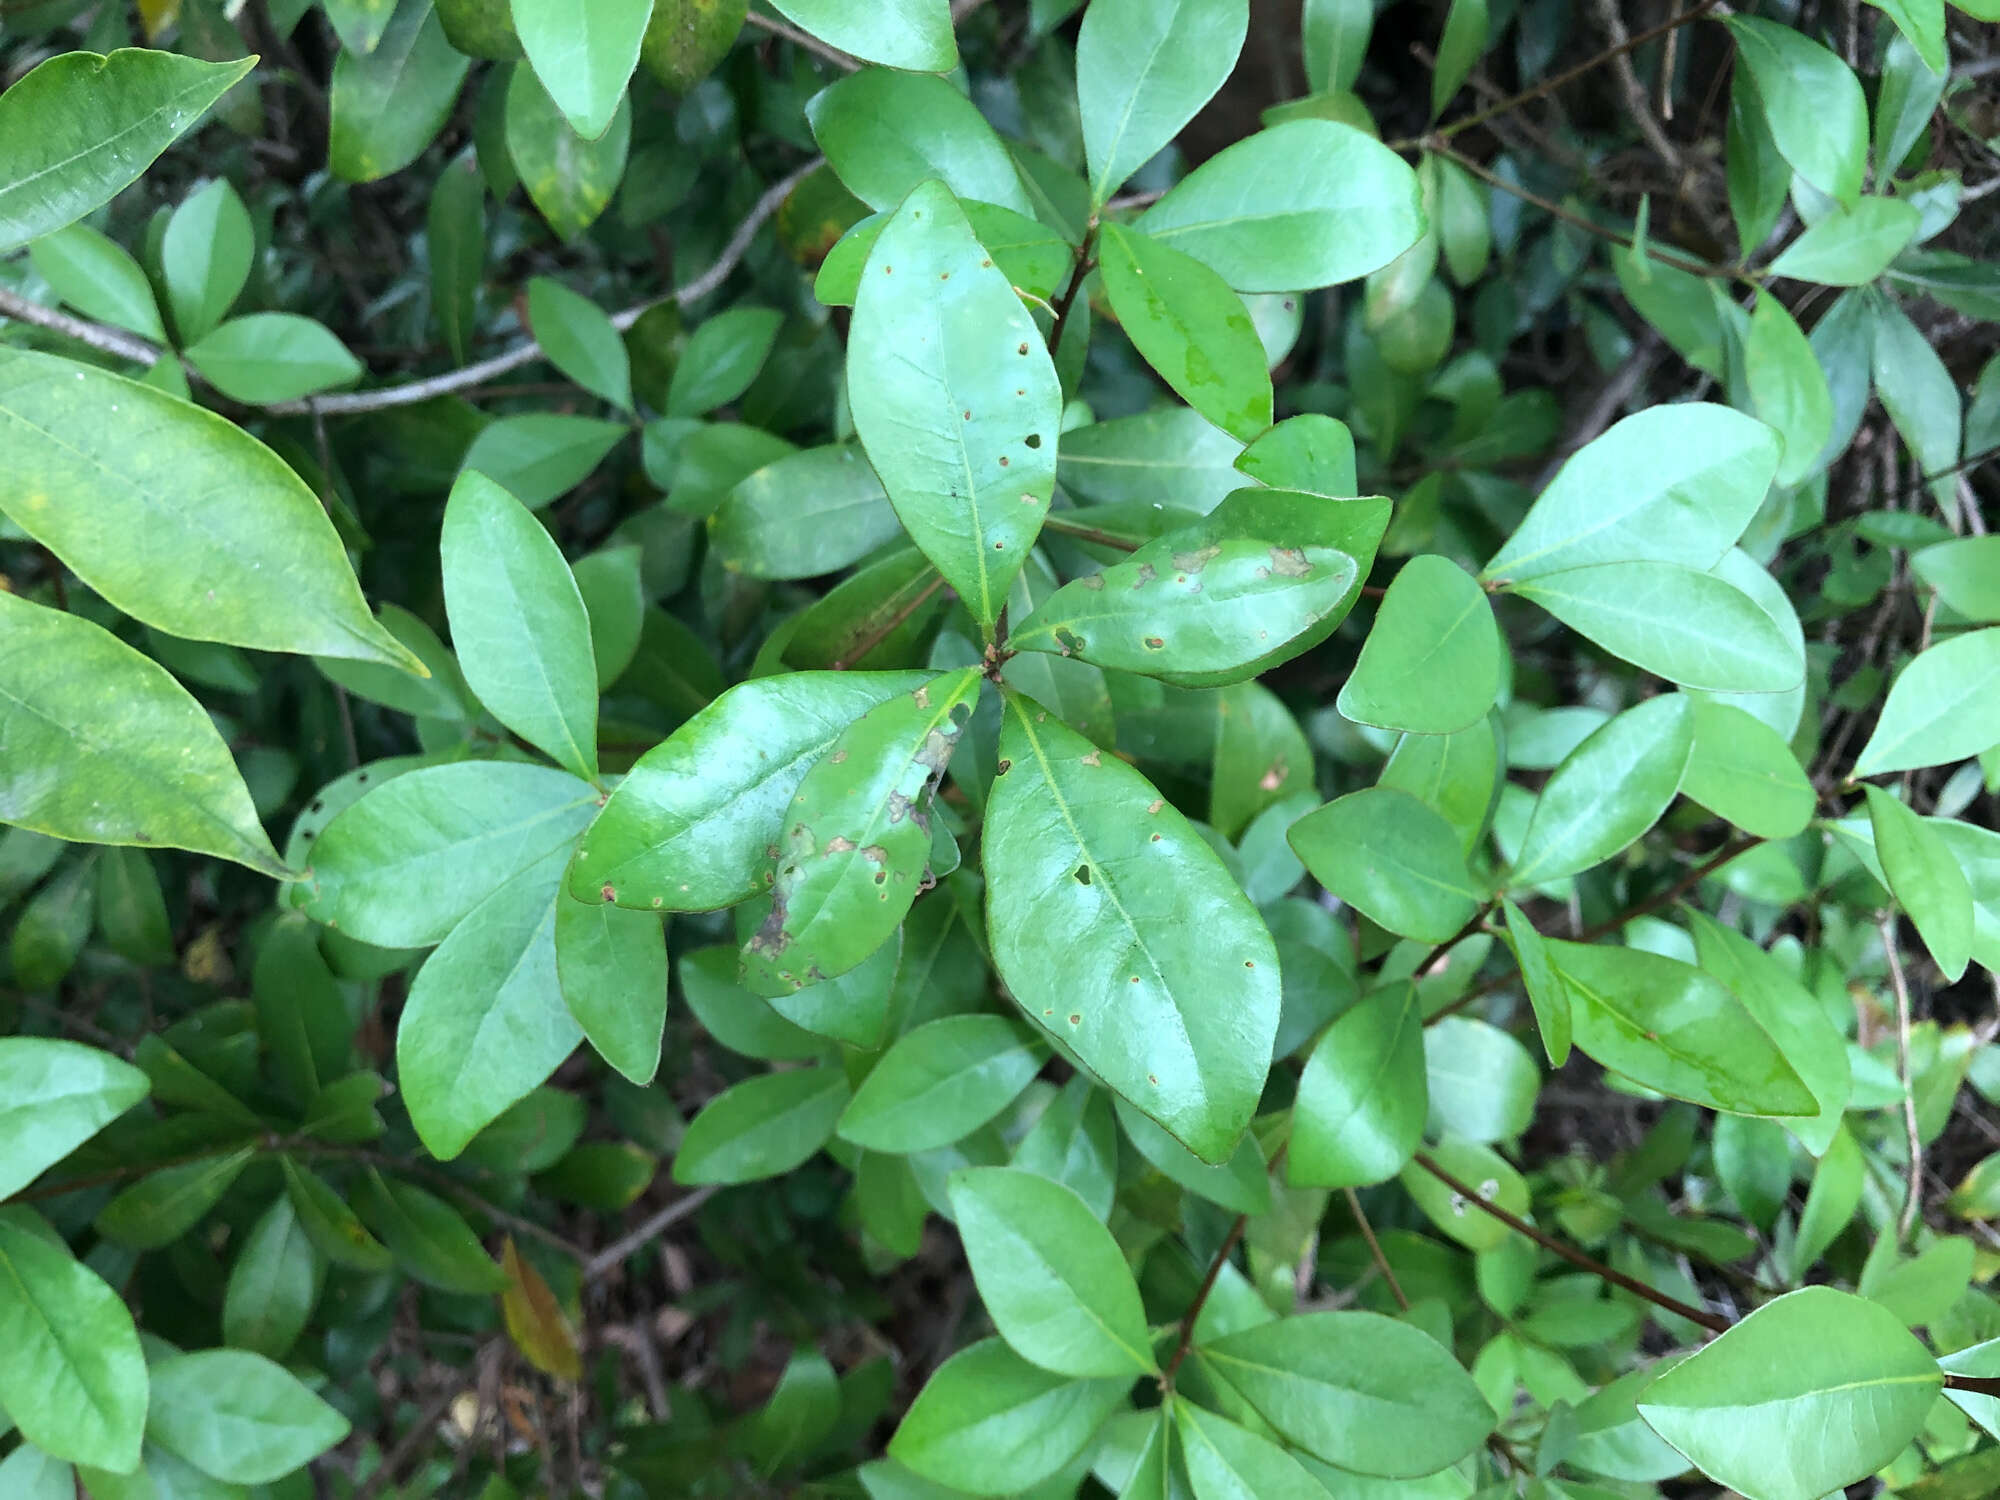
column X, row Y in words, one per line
column 100, row 336
column 1193, row 1313
column 1714, row 1322
column 889, row 626
column 1079, row 269
column 1913, row 1192
column 652, row 1229
column 1375, row 1250
column 790, row 33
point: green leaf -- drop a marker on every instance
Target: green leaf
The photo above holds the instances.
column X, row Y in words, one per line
column 238, row 1416
column 739, row 1020
column 518, row 622
column 358, row 23
column 1904, row 103
column 1944, row 706
column 577, row 336
column 1490, row 1176
column 583, row 54
column 403, row 865
column 441, row 695
column 721, row 359
column 49, row 935
column 803, row 515
column 72, row 1376
column 1114, row 924
column 131, row 910
column 1261, row 757
column 485, row 1021
column 140, row 761
column 1966, row 575
column 612, row 583
column 1788, row 388
column 941, row 1082
column 1363, row 1095
column 1608, row 791
column 857, row 837
column 1922, row 22
column 612, row 966
column 1229, row 1462
column 1671, row 484
column 1758, row 178
column 1851, row 246
column 272, row 1285
column 1458, row 50
column 1669, row 1026
column 1921, row 398
column 540, row 456
column 989, row 1423
column 568, row 178
column 852, row 1007
column 1691, row 627
column 164, row 1205
column 1365, row 1392
column 1190, row 327
column 1792, row 1016
column 1393, row 858
column 1194, row 607
column 81, row 127
column 428, row 1237
column 1811, row 1392
column 1548, row 996
column 1169, row 457
column 1335, row 36
column 1310, row 452
column 885, row 134
column 911, row 34
column 690, row 827
column 30, row 1474
column 455, row 232
column 1242, row 1184
column 1482, row 1083
column 389, row 103
column 762, row 1127
column 1075, row 1143
column 54, row 1096
column 1925, row 879
column 1742, row 769
column 98, row 278
column 212, row 502
column 330, row 1224
column 263, row 358
column 1431, row 664
column 686, row 39
column 954, row 398
column 1812, row 102
column 1033, row 257
column 1144, row 68
column 1053, row 1279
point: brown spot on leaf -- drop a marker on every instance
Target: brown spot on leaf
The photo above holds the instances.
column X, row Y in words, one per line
column 607, row 892
column 1290, row 562
column 840, row 843
column 1092, row 759
column 1154, row 643
column 1274, row 777
column 1156, row 804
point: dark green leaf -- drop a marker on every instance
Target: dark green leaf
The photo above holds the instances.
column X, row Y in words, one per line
column 1812, row 101
column 1608, row 791
column 762, row 1127
column 389, row 103
column 1363, row 1095
column 570, row 179
column 1431, row 664
column 885, row 133
column 272, row 1284
column 803, row 514
column 1393, row 858
column 426, row 1235
column 1143, row 69
column 941, row 1082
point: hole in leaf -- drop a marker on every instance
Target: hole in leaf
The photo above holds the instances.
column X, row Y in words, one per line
column 1081, row 875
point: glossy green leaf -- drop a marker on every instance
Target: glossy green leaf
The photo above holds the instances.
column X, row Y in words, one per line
column 1033, row 257
column 1431, row 664
column 1482, row 1083
column 1921, row 397
column 1308, row 203
column 272, row 1285
column 1908, row 96
column 1831, row 1201
column 690, row 827
column 1671, row 484
column 1144, row 68
column 54, row 1096
column 359, row 23
column 941, row 1082
column 762, row 1127
column 612, row 965
column 1548, row 996
column 330, row 1224
column 1464, row 38
column 486, row 1020
column 1492, row 1180
column 1114, row 925
column 30, row 1474
column 1944, row 706
column 1190, row 327
column 1226, row 1461
column 540, row 456
column 1393, row 858
column 263, row 358
column 209, row 501
column 1335, row 36
column 853, row 1007
column 428, row 1237
column 1669, row 1026
column 1812, row 101
column 1925, row 879
column 583, row 54
column 1241, row 1184
column 1690, row 627
column 1365, row 1392
column 910, row 34
column 1609, row 790
column 612, row 583
column 989, row 1423
column 131, row 909
column 805, row 514
column 1742, row 770
column 49, row 935
column 519, row 623
column 1811, row 1392
column 577, row 336
column 1966, row 574
column 388, row 104
column 81, row 127
column 455, row 234
column 1759, row 179
column 1787, row 387
column 1170, row 457
column 403, row 865
column 72, row 1377
column 1363, row 1095
column 1261, row 757
column 955, row 399
column 568, row 178
column 141, row 761
column 721, row 359
column 1051, row 1276
column 164, row 1205
column 886, row 133
column 1075, row 1142
column 1922, row 22
column 686, row 39
column 238, row 1416
column 1852, row 246
column 99, row 278
column 1310, row 452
